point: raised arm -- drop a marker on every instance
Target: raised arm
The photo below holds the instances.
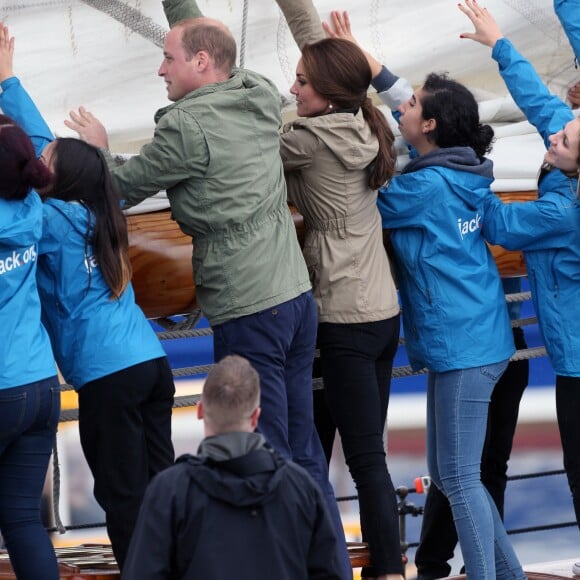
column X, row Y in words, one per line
column 545, row 111
column 339, row 27
column 550, row 222
column 15, row 101
column 176, row 10
column 303, row 21
column 568, row 12
column 392, row 90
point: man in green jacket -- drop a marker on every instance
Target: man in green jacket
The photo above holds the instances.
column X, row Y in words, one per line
column 216, row 152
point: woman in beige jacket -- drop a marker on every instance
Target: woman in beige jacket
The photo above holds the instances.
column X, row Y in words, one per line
column 335, row 157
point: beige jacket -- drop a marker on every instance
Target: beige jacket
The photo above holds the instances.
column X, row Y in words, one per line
column 325, row 160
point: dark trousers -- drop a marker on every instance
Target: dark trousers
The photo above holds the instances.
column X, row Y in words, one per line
column 438, row 534
column 567, row 411
column 356, row 362
column 279, row 342
column 125, row 432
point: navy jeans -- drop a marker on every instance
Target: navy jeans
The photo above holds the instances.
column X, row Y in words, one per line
column 356, row 362
column 438, row 533
column 125, row 432
column 28, row 420
column 279, row 342
column 457, row 409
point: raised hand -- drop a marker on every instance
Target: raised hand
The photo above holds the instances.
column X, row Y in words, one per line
column 6, row 53
column 340, row 26
column 341, row 29
column 487, row 31
column 89, row 128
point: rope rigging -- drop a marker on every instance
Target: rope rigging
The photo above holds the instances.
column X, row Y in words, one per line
column 244, row 35
column 131, row 18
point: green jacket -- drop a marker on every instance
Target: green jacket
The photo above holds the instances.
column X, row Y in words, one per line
column 216, row 152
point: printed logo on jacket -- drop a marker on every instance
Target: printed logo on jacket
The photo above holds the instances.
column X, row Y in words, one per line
column 468, row 226
column 17, row 259
column 90, row 263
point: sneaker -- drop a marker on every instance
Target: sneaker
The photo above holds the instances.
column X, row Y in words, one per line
column 576, row 568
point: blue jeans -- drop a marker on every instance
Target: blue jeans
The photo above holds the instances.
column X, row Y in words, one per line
column 457, row 408
column 279, row 343
column 438, row 534
column 28, row 421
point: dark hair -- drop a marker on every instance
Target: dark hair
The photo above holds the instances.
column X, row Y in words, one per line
column 204, row 34
column 20, row 170
column 455, row 110
column 81, row 174
column 338, row 71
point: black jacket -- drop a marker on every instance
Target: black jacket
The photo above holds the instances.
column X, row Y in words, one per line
column 257, row 516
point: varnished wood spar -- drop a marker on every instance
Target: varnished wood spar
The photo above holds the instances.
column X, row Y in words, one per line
column 161, row 259
column 163, row 274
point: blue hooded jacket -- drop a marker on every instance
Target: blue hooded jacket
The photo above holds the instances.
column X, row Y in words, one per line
column 25, row 353
column 548, row 230
column 454, row 310
column 92, row 336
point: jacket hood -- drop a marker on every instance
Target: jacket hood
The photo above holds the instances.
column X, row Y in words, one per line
column 471, row 177
column 76, row 214
column 243, row 481
column 347, row 135
column 20, row 221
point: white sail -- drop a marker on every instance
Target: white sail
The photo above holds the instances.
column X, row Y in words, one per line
column 104, row 54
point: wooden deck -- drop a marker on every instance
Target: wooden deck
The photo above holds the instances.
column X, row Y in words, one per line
column 96, row 562
column 85, row 562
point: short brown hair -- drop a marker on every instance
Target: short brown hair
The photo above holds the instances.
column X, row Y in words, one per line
column 204, row 34
column 230, row 394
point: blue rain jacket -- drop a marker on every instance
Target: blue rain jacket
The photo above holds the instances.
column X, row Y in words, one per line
column 25, row 353
column 548, row 230
column 454, row 310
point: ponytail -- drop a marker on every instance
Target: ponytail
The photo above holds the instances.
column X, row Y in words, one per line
column 384, row 165
column 338, row 70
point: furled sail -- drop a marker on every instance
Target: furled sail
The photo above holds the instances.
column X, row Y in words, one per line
column 104, row 54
